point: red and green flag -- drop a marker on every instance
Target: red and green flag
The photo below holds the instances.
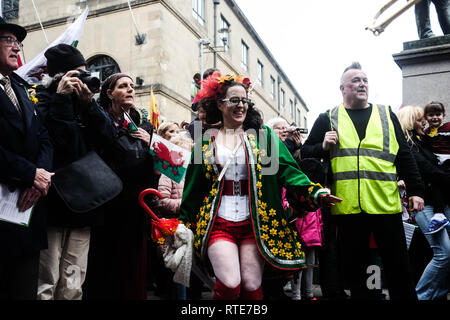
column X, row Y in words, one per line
column 168, row 158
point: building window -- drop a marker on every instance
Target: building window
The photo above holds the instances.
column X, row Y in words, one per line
column 298, row 118
column 225, row 34
column 282, row 94
column 260, row 73
column 272, row 87
column 244, row 56
column 305, row 122
column 291, row 108
column 103, row 65
column 10, row 9
column 198, row 10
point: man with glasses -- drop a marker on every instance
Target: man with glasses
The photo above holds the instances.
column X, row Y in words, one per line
column 25, row 163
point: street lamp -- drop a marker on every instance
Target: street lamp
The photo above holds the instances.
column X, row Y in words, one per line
column 206, row 43
column 216, row 3
column 279, row 91
column 201, row 44
column 223, row 35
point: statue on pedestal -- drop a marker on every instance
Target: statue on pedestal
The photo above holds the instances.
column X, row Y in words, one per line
column 422, row 11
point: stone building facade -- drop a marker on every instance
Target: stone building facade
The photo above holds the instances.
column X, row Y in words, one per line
column 170, row 53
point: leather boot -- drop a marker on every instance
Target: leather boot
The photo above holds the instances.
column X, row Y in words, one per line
column 222, row 292
column 252, row 295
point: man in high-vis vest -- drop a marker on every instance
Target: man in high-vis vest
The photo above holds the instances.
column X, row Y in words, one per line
column 367, row 153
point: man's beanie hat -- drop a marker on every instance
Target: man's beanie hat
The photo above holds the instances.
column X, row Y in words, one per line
column 62, row 58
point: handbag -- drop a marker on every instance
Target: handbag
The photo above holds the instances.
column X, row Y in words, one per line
column 130, row 151
column 87, row 183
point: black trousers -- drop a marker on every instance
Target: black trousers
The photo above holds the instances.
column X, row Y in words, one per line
column 331, row 268
column 389, row 235
column 19, row 276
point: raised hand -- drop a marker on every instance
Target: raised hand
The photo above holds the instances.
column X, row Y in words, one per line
column 330, row 139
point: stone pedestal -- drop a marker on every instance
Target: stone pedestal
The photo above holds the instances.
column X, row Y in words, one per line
column 425, row 66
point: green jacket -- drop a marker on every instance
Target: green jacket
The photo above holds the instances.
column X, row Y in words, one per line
column 270, row 167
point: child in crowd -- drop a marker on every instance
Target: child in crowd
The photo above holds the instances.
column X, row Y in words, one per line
column 438, row 139
column 169, row 207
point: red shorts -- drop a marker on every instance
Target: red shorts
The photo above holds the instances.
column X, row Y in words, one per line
column 236, row 232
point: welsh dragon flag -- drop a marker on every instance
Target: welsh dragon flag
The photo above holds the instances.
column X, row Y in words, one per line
column 168, row 158
column 33, row 70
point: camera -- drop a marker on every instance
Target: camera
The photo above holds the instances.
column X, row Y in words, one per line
column 302, row 130
column 93, row 83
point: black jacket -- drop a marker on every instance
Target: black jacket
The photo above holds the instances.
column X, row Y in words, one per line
column 24, row 146
column 435, row 177
column 404, row 162
column 74, row 129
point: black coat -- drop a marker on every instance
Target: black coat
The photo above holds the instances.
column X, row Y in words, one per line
column 74, row 130
column 435, row 177
column 24, row 146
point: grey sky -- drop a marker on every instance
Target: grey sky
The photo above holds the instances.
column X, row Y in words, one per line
column 313, row 41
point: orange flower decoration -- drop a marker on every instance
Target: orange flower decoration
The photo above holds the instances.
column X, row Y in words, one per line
column 212, row 84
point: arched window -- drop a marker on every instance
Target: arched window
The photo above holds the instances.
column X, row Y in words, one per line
column 104, row 65
column 10, row 9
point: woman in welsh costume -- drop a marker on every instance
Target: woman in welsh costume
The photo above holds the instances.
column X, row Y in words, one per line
column 232, row 195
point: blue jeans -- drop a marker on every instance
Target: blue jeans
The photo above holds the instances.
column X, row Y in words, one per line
column 422, row 12
column 433, row 282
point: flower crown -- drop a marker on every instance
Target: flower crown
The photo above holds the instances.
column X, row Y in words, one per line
column 212, row 84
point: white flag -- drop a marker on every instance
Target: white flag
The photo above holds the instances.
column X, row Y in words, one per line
column 32, row 70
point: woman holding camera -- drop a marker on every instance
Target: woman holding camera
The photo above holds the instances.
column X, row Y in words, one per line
column 291, row 136
column 118, row 259
column 232, row 194
column 76, row 125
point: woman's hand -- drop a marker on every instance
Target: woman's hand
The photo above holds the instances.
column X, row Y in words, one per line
column 143, row 135
column 415, row 203
column 328, row 200
column 296, row 137
column 401, row 184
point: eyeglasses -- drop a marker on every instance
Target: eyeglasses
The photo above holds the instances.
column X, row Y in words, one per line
column 280, row 128
column 10, row 41
column 234, row 101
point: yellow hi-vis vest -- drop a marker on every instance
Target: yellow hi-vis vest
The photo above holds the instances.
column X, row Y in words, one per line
column 365, row 176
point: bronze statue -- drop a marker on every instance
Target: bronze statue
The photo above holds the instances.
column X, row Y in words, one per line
column 422, row 10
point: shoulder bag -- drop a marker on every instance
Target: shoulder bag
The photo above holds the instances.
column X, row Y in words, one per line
column 87, row 183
